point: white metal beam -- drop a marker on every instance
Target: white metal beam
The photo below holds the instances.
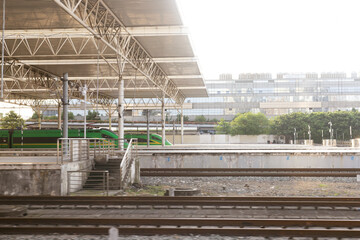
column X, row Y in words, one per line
column 98, row 18
column 82, row 32
column 158, row 31
column 26, row 78
column 101, row 61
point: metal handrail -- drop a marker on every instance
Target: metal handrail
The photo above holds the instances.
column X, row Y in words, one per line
column 79, row 183
column 77, row 149
column 67, row 151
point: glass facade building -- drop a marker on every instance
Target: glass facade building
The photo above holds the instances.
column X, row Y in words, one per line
column 276, row 95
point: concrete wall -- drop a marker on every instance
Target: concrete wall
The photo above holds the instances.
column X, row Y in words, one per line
column 224, row 139
column 38, row 179
column 30, row 180
column 251, row 160
column 75, row 182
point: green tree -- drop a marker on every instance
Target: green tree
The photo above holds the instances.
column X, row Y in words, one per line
column 51, row 118
column 70, row 116
column 213, row 120
column 223, row 127
column 319, row 125
column 285, row 125
column 249, row 124
column 93, row 115
column 35, row 116
column 200, row 118
column 178, row 118
column 12, row 121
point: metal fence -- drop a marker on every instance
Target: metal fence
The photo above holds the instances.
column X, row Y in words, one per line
column 340, row 143
column 82, row 149
column 93, row 180
column 129, row 166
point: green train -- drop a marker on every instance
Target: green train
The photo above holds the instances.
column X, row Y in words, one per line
column 155, row 139
column 47, row 138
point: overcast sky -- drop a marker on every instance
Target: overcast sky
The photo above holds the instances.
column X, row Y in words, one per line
column 236, row 36
column 239, row 36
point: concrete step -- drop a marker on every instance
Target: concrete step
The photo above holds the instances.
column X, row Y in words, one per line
column 114, row 161
column 107, row 168
column 115, row 158
column 100, row 185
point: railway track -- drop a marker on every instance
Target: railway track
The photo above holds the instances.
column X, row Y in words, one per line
column 182, row 201
column 184, row 226
column 250, row 172
column 48, row 224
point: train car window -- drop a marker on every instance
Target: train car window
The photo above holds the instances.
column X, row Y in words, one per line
column 156, row 138
column 105, row 136
column 142, row 140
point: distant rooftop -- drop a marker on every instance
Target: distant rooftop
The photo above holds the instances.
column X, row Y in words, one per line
column 307, row 75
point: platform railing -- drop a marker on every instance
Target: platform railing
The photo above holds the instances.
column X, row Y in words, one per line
column 343, row 143
column 129, row 166
column 82, row 149
column 96, row 181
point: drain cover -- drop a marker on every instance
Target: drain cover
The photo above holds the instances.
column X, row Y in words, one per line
column 182, row 192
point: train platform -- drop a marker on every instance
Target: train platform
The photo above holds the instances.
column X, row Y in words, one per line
column 42, row 175
column 28, row 160
column 245, row 147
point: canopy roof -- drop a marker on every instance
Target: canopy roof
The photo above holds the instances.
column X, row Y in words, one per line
column 55, row 37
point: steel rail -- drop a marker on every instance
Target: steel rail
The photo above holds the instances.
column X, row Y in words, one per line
column 151, row 226
column 255, row 169
column 183, row 201
column 156, row 198
column 186, row 231
column 239, row 222
column 255, row 172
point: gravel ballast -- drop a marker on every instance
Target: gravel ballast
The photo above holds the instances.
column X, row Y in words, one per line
column 262, row 186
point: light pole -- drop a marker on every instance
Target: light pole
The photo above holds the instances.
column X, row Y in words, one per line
column 294, row 135
column 330, row 131
column 350, row 133
column 309, row 132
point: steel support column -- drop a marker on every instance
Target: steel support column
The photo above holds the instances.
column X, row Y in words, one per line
column 59, row 116
column 2, row 53
column 121, row 111
column 163, row 120
column 39, row 118
column 147, row 127
column 65, row 105
column 110, row 113
column 37, row 108
column 182, row 123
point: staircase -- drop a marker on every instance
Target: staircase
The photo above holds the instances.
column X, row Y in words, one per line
column 96, row 179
